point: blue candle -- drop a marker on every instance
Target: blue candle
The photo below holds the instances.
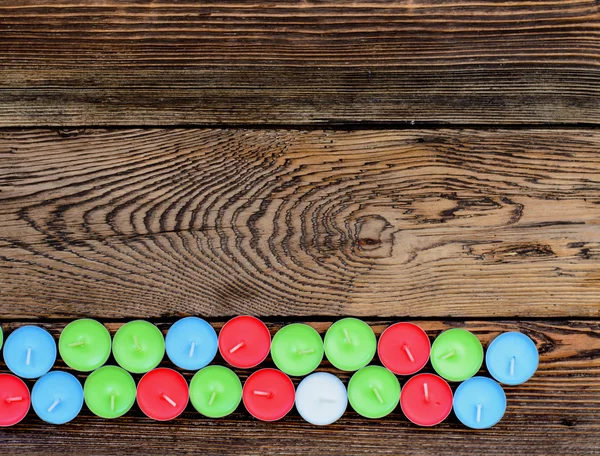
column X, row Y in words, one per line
column 512, row 358
column 30, row 352
column 479, row 402
column 191, row 343
column 57, row 397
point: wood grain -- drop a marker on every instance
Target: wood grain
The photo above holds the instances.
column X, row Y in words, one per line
column 157, row 223
column 556, row 412
column 120, row 62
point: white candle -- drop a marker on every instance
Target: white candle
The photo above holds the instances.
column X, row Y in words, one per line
column 321, row 398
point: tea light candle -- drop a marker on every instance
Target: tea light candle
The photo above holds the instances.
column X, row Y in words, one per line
column 479, row 402
column 14, row 400
column 57, row 397
column 162, row 394
column 191, row 343
column 30, row 352
column 404, row 348
column 268, row 394
column 109, row 392
column 426, row 399
column 244, row 342
column 297, row 349
column 84, row 345
column 138, row 346
column 456, row 354
column 374, row 392
column 512, row 358
column 321, row 398
column 215, row 391
column 350, row 344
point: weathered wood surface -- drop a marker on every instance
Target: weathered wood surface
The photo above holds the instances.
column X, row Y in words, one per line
column 150, row 223
column 120, row 62
column 556, row 412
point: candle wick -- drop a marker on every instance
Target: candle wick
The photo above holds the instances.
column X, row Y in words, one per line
column 379, row 398
column 112, row 402
column 263, row 393
column 408, row 353
column 479, row 407
column 306, row 351
column 28, row 357
column 192, row 347
column 347, row 336
column 169, row 400
column 54, row 404
column 79, row 343
column 212, row 398
column 13, row 399
column 327, row 400
column 512, row 366
column 426, row 391
column 237, row 347
column 449, row 354
column 137, row 343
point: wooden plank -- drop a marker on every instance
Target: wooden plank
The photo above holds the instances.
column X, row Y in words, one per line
column 121, row 62
column 151, row 223
column 556, row 412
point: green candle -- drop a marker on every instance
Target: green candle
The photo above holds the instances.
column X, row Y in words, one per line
column 297, row 349
column 1, row 336
column 84, row 345
column 109, row 392
column 215, row 391
column 350, row 344
column 138, row 346
column 374, row 392
column 456, row 354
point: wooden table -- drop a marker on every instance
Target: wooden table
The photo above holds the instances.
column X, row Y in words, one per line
column 431, row 161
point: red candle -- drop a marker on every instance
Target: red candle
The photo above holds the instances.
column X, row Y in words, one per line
column 268, row 394
column 244, row 342
column 404, row 348
column 162, row 394
column 426, row 399
column 14, row 400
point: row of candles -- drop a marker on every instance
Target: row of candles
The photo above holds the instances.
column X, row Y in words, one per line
column 268, row 394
